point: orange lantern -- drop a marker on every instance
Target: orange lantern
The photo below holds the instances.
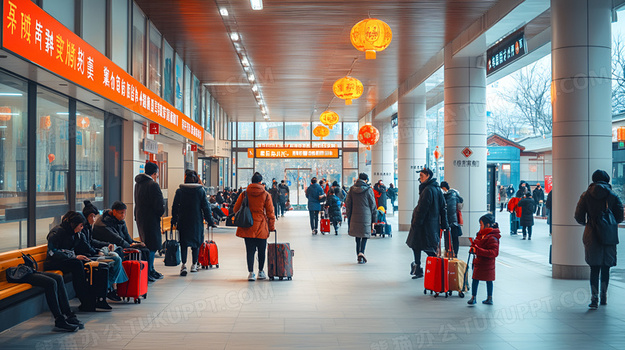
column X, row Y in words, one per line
column 437, row 153
column 321, row 132
column 5, row 114
column 82, row 122
column 45, row 122
column 347, row 88
column 51, row 157
column 329, row 118
column 371, row 35
column 368, row 135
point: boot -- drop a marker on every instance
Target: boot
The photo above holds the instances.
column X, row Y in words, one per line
column 87, row 305
column 604, row 299
column 413, row 268
column 61, row 325
column 593, row 302
column 418, row 273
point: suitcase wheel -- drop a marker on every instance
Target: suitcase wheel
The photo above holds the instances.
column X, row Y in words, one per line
column 145, row 296
column 436, row 295
column 272, row 278
column 217, row 265
column 425, row 291
column 137, row 301
column 447, row 294
column 210, row 265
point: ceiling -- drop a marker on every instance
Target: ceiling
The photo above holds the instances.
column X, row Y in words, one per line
column 298, row 49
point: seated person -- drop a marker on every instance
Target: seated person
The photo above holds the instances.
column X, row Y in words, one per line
column 62, row 242
column 217, row 212
column 99, row 250
column 111, row 228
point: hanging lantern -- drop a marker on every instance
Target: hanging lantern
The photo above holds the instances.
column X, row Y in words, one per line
column 51, row 157
column 82, row 122
column 45, row 122
column 329, row 118
column 371, row 35
column 368, row 135
column 437, row 153
column 348, row 88
column 321, row 132
column 5, row 114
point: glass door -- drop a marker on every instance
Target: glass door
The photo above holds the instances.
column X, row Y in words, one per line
column 298, row 179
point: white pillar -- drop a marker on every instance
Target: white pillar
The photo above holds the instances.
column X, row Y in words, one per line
column 412, row 141
column 465, row 128
column 132, row 160
column 582, row 134
column 382, row 157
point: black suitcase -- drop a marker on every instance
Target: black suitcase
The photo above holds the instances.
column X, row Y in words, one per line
column 97, row 278
column 172, row 251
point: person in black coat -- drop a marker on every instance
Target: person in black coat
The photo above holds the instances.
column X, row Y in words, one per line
column 333, row 204
column 452, row 198
column 188, row 213
column 539, row 198
column 391, row 193
column 428, row 218
column 548, row 206
column 380, row 190
column 528, row 208
column 275, row 198
column 283, row 198
column 149, row 207
column 600, row 257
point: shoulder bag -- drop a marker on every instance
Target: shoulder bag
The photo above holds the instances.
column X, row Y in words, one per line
column 607, row 227
column 242, row 218
column 17, row 274
column 30, row 261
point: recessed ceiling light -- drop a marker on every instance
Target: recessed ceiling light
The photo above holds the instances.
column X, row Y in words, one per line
column 223, row 12
column 245, row 62
column 234, row 36
column 257, row 4
column 10, row 94
column 251, row 78
column 255, row 88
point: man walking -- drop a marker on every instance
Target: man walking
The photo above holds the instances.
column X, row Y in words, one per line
column 539, row 198
column 315, row 195
column 284, row 196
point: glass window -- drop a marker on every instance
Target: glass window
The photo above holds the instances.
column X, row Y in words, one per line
column 244, row 177
column 62, row 10
column 335, row 132
column 297, row 131
column 94, row 24
column 168, row 79
column 265, row 144
column 119, row 28
column 89, row 155
column 13, row 162
column 297, row 144
column 245, row 144
column 244, row 161
column 196, row 99
column 269, row 131
column 179, row 83
column 350, row 144
column 52, row 161
column 154, row 68
column 350, row 131
column 187, row 91
column 351, row 175
column 326, row 144
column 138, row 44
column 245, row 131
column 203, row 106
column 350, row 159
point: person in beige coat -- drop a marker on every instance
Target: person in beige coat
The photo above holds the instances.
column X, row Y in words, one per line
column 261, row 206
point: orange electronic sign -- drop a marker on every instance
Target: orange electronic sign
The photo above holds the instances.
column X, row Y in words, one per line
column 297, row 153
column 31, row 33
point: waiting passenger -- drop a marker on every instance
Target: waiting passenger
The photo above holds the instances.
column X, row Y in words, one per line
column 315, row 194
column 380, row 194
column 486, row 248
column 528, row 208
column 361, row 214
column 333, row 204
column 274, row 192
column 452, row 198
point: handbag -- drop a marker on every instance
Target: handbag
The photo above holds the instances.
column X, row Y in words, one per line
column 30, row 261
column 17, row 274
column 607, row 227
column 243, row 217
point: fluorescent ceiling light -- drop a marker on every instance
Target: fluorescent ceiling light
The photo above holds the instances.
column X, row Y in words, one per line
column 257, row 4
column 10, row 94
column 245, row 62
column 223, row 12
column 234, row 36
column 251, row 78
column 9, row 114
column 255, row 88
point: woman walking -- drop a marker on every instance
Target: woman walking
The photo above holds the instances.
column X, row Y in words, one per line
column 188, row 213
column 600, row 256
column 361, row 214
column 263, row 213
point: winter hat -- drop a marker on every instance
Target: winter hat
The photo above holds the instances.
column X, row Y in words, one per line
column 363, row 177
column 89, row 209
column 488, row 219
column 444, row 184
column 381, row 208
column 150, row 168
column 600, row 175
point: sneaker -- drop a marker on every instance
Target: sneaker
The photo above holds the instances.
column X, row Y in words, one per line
column 73, row 320
column 471, row 301
column 529, row 238
column 262, row 275
column 194, row 268
column 364, row 258
column 183, row 270
column 603, row 300
column 418, row 274
column 413, row 268
column 61, row 325
column 157, row 275
column 113, row 295
column 523, row 238
column 87, row 307
column 593, row 303
column 251, row 277
column 102, row 304
column 150, row 278
column 488, row 301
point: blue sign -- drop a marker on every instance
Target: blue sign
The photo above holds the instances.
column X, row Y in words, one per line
column 79, row 138
column 288, row 182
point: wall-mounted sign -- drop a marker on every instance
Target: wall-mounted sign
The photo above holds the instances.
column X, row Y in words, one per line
column 31, row 33
column 294, row 153
column 467, row 152
column 506, row 51
column 154, row 129
column 150, row 146
column 193, row 148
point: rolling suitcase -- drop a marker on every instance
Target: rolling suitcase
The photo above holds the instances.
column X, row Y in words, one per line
column 137, row 272
column 379, row 229
column 209, row 254
column 225, row 211
column 388, row 230
column 325, row 226
column 203, row 255
column 172, row 251
column 279, row 260
column 97, row 277
column 436, row 275
column 457, row 270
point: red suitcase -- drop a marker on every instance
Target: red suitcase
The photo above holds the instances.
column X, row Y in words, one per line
column 209, row 254
column 137, row 284
column 325, row 226
column 279, row 260
column 436, row 275
column 203, row 257
column 225, row 211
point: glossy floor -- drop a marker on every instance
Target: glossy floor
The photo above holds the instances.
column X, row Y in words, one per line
column 335, row 303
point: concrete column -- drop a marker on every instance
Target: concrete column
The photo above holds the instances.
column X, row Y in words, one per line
column 412, row 141
column 132, row 160
column 382, row 157
column 582, row 134
column 465, row 128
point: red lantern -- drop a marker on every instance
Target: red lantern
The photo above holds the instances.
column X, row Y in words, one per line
column 368, row 135
column 437, row 153
column 51, row 157
column 321, row 132
column 5, row 114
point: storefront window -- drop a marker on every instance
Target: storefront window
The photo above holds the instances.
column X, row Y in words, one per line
column 245, row 131
column 62, row 10
column 13, row 160
column 196, row 99
column 187, row 91
column 335, row 132
column 269, row 131
column 297, row 131
column 138, row 44
column 119, row 29
column 154, row 69
column 168, row 68
column 94, row 29
column 89, row 155
column 52, row 161
column 350, row 131
column 179, row 83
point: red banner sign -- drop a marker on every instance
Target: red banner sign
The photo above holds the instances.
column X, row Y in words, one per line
column 31, row 33
column 154, row 129
column 193, row 148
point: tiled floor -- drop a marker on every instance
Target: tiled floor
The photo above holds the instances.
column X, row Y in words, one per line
column 334, row 303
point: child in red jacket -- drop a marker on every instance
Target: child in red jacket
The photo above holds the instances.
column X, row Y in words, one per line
column 486, row 248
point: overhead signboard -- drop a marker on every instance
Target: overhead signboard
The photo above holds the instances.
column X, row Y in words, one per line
column 294, row 153
column 33, row 34
column 506, row 51
column 150, row 146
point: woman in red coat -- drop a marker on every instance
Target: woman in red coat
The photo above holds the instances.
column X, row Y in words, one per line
column 486, row 248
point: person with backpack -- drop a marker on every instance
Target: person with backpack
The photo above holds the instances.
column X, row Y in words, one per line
column 333, row 205
column 485, row 246
column 315, row 195
column 599, row 200
column 188, row 213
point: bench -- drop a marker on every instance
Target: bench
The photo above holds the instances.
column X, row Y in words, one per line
column 16, row 299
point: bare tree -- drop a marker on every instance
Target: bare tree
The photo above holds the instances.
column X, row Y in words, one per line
column 503, row 122
column 531, row 97
column 618, row 74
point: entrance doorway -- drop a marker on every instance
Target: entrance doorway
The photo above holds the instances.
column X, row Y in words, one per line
column 298, row 179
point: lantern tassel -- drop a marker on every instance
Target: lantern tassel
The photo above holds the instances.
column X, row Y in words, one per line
column 370, row 54
column 348, row 102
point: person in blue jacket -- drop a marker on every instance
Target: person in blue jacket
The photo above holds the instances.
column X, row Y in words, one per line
column 315, row 195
